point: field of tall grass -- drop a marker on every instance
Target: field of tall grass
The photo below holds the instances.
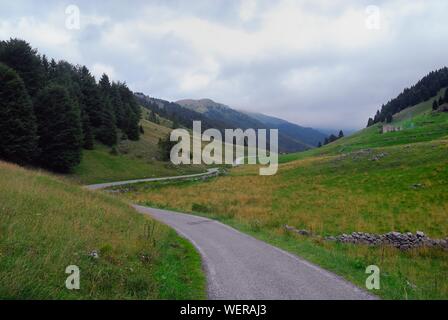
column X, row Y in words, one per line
column 47, row 224
column 373, row 190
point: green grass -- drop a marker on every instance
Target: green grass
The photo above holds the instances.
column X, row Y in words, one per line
column 360, row 183
column 47, row 224
column 419, row 109
column 135, row 160
column 425, row 126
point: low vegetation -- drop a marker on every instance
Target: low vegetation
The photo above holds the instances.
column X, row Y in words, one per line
column 47, row 224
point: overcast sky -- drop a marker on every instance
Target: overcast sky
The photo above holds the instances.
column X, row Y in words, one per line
column 320, row 63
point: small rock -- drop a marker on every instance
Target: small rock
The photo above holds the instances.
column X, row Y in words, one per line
column 94, row 254
column 420, row 234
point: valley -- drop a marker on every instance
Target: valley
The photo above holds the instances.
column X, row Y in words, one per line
column 368, row 182
column 64, row 129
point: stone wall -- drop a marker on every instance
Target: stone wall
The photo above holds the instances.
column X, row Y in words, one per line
column 402, row 241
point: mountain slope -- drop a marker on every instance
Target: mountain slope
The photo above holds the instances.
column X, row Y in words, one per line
column 422, row 91
column 130, row 159
column 309, row 136
column 418, row 123
column 288, row 142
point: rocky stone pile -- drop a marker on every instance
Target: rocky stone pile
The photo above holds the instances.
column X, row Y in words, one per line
column 378, row 156
column 402, row 241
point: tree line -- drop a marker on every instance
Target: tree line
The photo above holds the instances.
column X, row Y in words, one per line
column 331, row 138
column 51, row 110
column 422, row 91
column 442, row 100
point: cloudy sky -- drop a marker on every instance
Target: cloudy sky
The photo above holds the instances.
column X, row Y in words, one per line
column 320, row 63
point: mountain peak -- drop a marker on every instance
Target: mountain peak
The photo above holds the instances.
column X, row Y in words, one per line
column 201, row 105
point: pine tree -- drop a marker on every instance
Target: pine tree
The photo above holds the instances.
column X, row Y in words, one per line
column 440, row 100
column 435, row 105
column 88, row 141
column 132, row 128
column 18, row 139
column 107, row 132
column 131, row 112
column 59, row 129
column 389, row 118
column 152, row 116
column 105, row 86
column 18, row 55
column 90, row 99
column 175, row 123
column 341, row 134
column 445, row 99
column 117, row 106
column 332, row 138
column 370, row 122
column 376, row 119
column 319, row 145
column 165, row 146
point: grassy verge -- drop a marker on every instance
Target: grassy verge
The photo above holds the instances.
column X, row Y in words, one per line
column 47, row 224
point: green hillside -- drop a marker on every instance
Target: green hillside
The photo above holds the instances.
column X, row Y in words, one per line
column 419, row 124
column 133, row 160
column 47, row 224
column 368, row 182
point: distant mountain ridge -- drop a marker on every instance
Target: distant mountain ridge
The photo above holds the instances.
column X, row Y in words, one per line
column 307, row 135
column 292, row 138
column 290, row 134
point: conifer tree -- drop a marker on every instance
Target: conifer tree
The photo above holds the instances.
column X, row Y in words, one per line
column 18, row 139
column 18, row 55
column 435, row 105
column 59, row 129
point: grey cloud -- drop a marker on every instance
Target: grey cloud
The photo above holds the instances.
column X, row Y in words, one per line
column 346, row 83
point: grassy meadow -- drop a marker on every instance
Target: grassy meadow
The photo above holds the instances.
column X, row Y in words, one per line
column 367, row 182
column 47, row 224
column 133, row 160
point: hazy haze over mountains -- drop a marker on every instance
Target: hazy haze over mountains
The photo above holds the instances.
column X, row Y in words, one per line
column 292, row 136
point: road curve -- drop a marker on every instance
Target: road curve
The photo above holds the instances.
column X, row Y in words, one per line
column 239, row 266
column 209, row 173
